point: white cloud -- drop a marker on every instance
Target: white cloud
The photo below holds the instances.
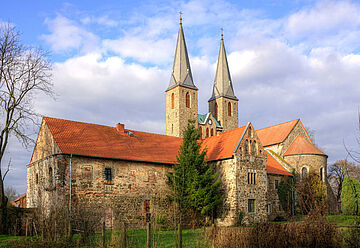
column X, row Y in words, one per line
column 67, row 35
column 102, row 20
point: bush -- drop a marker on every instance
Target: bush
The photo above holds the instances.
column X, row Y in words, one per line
column 350, row 196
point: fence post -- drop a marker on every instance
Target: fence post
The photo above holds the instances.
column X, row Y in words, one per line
column 123, row 238
column 180, row 235
column 148, row 235
column 103, row 233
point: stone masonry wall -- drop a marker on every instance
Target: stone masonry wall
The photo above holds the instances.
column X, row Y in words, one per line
column 209, row 127
column 297, row 130
column 274, row 208
column 177, row 117
column 133, row 185
column 226, row 121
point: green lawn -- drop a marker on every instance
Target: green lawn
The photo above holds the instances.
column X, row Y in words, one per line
column 135, row 238
column 343, row 220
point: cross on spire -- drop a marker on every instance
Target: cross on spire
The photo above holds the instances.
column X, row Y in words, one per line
column 180, row 14
column 222, row 33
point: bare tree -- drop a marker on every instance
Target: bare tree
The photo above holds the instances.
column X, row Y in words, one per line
column 338, row 171
column 24, row 72
column 11, row 193
column 355, row 154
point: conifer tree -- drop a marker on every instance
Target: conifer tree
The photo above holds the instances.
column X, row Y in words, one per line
column 193, row 181
column 350, row 196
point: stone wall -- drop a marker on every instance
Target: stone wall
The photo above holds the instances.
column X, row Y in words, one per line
column 211, row 128
column 297, row 130
column 226, row 121
column 274, row 207
column 133, row 184
column 177, row 117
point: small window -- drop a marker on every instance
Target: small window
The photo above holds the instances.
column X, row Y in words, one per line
column 37, row 178
column 246, row 147
column 50, row 177
column 253, row 147
column 187, row 100
column 251, row 205
column 216, row 110
column 87, row 173
column 172, row 100
column 303, row 172
column 212, row 132
column 207, row 132
column 108, row 174
column 251, row 178
column 229, row 109
column 276, row 184
column 268, row 208
column 321, row 173
column 147, row 206
column 200, row 132
column 132, row 176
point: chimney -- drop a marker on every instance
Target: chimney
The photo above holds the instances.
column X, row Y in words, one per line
column 120, row 127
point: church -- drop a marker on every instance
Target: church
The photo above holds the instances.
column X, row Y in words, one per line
column 124, row 171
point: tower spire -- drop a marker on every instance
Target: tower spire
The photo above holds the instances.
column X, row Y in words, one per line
column 181, row 73
column 223, row 84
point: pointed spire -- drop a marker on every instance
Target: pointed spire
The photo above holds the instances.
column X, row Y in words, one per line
column 181, row 73
column 222, row 85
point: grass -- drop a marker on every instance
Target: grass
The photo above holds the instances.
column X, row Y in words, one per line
column 342, row 220
column 135, row 238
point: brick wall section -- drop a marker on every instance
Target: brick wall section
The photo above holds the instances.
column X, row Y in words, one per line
column 177, row 117
column 226, row 121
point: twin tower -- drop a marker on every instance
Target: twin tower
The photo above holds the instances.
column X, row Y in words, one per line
column 182, row 96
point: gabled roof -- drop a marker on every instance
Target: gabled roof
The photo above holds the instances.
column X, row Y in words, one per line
column 223, row 145
column 276, row 134
column 274, row 167
column 94, row 140
column 181, row 72
column 302, row 146
column 103, row 141
column 202, row 119
column 222, row 84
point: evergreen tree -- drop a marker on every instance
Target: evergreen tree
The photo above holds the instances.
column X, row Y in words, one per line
column 193, row 181
column 350, row 196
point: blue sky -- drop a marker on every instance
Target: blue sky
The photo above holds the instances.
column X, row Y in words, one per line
column 112, row 62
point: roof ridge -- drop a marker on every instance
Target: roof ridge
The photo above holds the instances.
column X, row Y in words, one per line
column 278, row 124
column 108, row 126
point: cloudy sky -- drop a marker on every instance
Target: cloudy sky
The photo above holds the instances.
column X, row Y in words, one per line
column 112, row 62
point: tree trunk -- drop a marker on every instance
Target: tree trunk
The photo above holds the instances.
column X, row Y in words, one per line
column 3, row 204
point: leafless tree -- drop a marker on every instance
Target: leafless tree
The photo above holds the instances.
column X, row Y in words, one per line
column 355, row 154
column 337, row 173
column 11, row 193
column 24, row 72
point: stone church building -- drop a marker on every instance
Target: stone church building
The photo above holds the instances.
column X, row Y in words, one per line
column 124, row 171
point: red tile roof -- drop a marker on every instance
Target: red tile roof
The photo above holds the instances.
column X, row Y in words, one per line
column 87, row 139
column 302, row 146
column 222, row 145
column 275, row 134
column 274, row 167
column 102, row 141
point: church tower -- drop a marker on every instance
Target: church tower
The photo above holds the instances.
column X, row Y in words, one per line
column 223, row 103
column 181, row 95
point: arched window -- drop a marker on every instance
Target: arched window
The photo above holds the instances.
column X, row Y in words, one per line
column 187, row 96
column 321, row 173
column 200, row 132
column 172, row 100
column 249, row 134
column 246, row 147
column 303, row 172
column 212, row 132
column 37, row 178
column 229, row 109
column 216, row 110
column 207, row 132
column 253, row 148
column 50, row 176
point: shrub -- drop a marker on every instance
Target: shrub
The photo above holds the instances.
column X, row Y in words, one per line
column 350, row 196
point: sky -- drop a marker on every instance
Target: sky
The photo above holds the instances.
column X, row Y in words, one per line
column 112, row 63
